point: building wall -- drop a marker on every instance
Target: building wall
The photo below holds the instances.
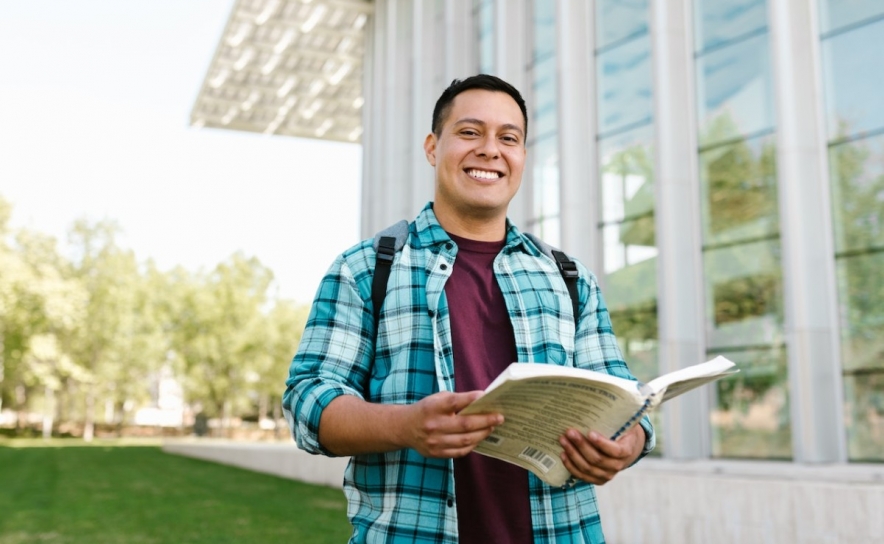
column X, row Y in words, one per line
column 717, row 163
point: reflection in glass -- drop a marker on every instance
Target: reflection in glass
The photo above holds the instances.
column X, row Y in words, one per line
column 864, row 405
column 544, row 119
column 619, row 20
column 738, row 189
column 624, row 85
column 719, row 21
column 735, row 91
column 835, row 14
column 627, row 164
column 861, row 293
column 544, row 29
column 751, row 418
column 854, row 79
column 744, row 292
column 857, row 173
column 485, row 22
column 546, row 183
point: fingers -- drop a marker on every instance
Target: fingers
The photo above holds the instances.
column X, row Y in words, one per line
column 438, row 430
column 593, row 458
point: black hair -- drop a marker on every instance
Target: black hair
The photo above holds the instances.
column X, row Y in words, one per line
column 481, row 81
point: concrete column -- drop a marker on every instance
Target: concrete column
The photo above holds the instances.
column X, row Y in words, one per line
column 677, row 220
column 460, row 40
column 808, row 255
column 578, row 149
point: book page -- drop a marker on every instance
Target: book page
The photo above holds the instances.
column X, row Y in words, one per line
column 685, row 379
column 538, row 410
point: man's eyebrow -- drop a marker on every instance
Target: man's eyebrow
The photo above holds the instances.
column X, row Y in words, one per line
column 471, row 121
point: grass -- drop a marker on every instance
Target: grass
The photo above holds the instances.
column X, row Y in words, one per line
column 111, row 492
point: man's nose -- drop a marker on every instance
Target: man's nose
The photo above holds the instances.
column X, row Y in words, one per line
column 488, row 148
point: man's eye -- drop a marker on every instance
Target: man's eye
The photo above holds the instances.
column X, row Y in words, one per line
column 469, row 132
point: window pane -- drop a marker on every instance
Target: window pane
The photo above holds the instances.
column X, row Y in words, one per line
column 485, row 24
column 627, row 165
column 857, row 173
column 544, row 29
column 719, row 21
column 619, row 19
column 861, row 293
column 544, row 119
column 865, row 416
column 735, row 94
column 854, row 77
column 744, row 295
column 738, row 189
column 751, row 418
column 546, row 179
column 624, row 82
column 835, row 14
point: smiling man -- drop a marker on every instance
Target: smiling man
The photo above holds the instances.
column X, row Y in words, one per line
column 468, row 294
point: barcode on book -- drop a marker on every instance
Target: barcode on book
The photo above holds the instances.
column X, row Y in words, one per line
column 538, row 457
column 493, row 440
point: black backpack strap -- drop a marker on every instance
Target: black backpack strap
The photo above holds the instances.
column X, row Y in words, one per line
column 386, row 243
column 567, row 268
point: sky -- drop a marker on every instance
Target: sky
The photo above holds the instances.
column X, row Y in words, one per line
column 95, row 99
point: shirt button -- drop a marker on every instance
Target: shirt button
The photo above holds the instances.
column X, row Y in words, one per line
column 431, row 313
column 443, row 266
column 448, row 245
column 450, row 503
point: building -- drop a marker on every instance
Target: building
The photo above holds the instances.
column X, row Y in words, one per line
column 718, row 163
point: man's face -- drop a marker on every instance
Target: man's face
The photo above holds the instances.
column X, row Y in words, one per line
column 479, row 155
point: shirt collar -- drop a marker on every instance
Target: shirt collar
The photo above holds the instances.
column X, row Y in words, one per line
column 429, row 233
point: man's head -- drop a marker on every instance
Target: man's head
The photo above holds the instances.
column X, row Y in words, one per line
column 477, row 149
column 484, row 82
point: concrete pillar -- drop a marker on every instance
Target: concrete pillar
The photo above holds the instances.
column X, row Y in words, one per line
column 808, row 255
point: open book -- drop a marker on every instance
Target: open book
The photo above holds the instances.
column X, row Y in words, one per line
column 539, row 402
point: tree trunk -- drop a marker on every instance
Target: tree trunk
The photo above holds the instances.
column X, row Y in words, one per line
column 89, row 423
column 48, row 412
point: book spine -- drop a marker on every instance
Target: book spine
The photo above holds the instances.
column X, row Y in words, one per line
column 635, row 417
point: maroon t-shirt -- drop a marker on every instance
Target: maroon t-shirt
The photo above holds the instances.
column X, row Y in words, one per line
column 492, row 495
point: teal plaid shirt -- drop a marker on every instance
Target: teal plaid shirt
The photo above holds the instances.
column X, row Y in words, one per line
column 401, row 496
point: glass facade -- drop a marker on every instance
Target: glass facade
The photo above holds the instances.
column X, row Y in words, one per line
column 740, row 227
column 744, row 311
column 853, row 74
column 625, row 135
column 543, row 141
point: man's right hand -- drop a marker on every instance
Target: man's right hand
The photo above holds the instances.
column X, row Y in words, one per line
column 435, row 429
column 432, row 426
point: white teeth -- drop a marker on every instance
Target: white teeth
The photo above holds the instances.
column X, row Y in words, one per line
column 482, row 174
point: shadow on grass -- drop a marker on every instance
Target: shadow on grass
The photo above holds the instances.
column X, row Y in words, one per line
column 110, row 493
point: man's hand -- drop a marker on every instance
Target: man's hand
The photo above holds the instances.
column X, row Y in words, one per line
column 596, row 459
column 432, row 426
column 435, row 429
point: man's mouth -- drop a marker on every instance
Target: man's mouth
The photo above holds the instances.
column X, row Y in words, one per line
column 483, row 174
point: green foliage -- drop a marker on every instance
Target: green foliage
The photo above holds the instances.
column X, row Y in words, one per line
column 91, row 326
column 108, row 494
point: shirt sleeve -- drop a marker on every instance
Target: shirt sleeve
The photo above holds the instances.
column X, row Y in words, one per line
column 333, row 357
column 595, row 345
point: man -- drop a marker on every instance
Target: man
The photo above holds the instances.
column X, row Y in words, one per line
column 468, row 294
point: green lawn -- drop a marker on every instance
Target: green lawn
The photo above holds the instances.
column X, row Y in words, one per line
column 112, row 493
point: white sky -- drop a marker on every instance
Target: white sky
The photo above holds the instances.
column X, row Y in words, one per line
column 95, row 98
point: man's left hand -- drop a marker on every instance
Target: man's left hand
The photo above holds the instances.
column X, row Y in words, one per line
column 596, row 459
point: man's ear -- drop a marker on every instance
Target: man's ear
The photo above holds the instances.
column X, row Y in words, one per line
column 430, row 148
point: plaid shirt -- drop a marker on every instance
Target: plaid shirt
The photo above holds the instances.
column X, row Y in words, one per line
column 401, row 496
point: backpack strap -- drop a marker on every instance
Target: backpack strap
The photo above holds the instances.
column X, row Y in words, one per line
column 386, row 243
column 567, row 268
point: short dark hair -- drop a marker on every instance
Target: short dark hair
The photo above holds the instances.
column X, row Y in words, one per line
column 481, row 81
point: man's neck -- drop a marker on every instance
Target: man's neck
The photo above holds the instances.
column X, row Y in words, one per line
column 481, row 229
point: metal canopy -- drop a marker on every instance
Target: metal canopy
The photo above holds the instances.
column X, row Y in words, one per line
column 291, row 67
